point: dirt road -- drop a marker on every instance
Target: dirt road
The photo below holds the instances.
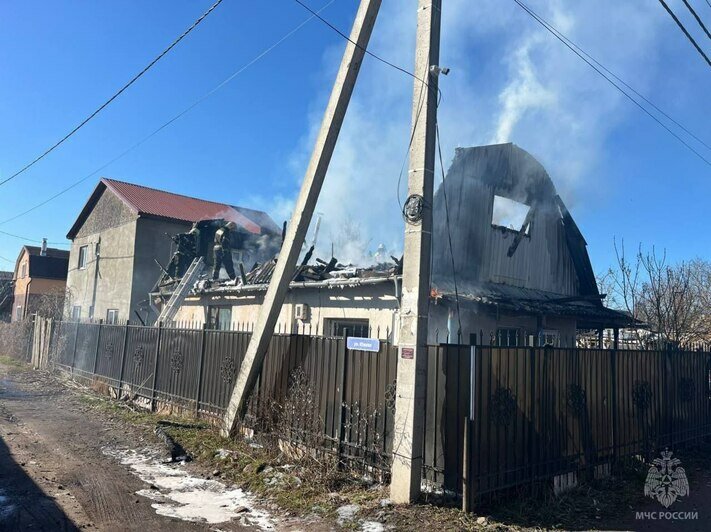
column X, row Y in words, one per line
column 61, row 469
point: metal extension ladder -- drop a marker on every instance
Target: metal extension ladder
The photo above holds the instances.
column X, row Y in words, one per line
column 188, row 280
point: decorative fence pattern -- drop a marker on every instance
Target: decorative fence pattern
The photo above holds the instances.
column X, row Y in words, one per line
column 496, row 417
column 538, row 412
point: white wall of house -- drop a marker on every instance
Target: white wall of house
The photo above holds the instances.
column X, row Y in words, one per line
column 378, row 305
column 375, row 303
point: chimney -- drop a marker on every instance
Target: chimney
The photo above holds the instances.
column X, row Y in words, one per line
column 43, row 251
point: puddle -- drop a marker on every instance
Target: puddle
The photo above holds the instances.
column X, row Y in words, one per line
column 178, row 494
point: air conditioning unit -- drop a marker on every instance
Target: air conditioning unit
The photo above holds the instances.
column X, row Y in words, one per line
column 301, row 311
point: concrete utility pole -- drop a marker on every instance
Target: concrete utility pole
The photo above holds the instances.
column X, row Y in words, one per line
column 412, row 363
column 303, row 211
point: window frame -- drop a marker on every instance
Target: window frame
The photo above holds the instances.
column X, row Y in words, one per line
column 112, row 312
column 334, row 326
column 76, row 313
column 215, row 317
column 83, row 257
column 525, row 226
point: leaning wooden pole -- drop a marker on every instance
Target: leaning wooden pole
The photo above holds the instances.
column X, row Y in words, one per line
column 412, row 350
column 303, row 212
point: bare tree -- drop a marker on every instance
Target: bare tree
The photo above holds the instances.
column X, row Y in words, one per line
column 672, row 300
column 53, row 303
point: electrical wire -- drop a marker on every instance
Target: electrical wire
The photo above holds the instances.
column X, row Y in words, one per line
column 197, row 102
column 8, row 260
column 697, row 17
column 449, row 233
column 116, row 95
column 683, row 29
column 371, row 54
column 28, row 239
column 623, row 82
column 553, row 31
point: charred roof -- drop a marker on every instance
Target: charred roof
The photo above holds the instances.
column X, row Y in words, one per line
column 544, row 251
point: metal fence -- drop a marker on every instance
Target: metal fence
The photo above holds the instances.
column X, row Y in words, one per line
column 311, row 389
column 504, row 417
column 495, row 417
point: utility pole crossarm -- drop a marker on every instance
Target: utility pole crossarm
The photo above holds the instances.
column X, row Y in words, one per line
column 303, row 211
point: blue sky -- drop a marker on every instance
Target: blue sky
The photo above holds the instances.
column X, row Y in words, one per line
column 247, row 144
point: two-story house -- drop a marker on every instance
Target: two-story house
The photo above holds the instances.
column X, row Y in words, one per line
column 40, row 276
column 122, row 237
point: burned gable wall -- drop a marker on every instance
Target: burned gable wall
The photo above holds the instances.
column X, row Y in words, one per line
column 542, row 258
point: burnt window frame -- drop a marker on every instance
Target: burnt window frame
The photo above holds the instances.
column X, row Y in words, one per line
column 528, row 226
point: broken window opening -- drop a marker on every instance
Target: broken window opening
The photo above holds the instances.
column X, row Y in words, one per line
column 511, row 214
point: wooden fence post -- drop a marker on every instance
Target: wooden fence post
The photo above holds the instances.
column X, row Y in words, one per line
column 123, row 359
column 96, row 351
column 155, row 367
column 74, row 349
column 198, row 392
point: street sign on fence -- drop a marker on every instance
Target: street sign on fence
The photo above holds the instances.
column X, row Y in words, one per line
column 363, row 344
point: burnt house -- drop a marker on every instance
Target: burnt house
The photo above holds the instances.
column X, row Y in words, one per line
column 519, row 260
column 517, row 272
column 123, row 237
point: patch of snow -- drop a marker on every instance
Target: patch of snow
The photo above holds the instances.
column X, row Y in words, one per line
column 372, row 526
column 178, row 494
column 347, row 513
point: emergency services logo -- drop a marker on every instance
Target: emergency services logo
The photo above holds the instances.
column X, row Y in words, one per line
column 666, row 480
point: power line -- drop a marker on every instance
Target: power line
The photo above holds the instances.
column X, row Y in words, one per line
column 449, row 233
column 8, row 260
column 197, row 102
column 365, row 50
column 697, row 17
column 623, row 82
column 28, row 239
column 116, row 95
column 688, row 35
column 559, row 36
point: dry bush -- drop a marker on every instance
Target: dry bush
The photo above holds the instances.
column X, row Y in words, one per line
column 15, row 338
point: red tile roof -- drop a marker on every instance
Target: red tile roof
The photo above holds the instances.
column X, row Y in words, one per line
column 145, row 201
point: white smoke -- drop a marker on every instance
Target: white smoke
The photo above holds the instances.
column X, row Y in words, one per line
column 510, row 81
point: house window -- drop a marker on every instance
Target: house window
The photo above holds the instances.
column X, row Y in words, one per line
column 18, row 312
column 549, row 337
column 510, row 214
column 219, row 318
column 82, row 257
column 23, row 270
column 76, row 312
column 342, row 328
column 112, row 316
column 508, row 337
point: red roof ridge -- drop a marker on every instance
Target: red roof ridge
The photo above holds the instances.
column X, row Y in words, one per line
column 109, row 181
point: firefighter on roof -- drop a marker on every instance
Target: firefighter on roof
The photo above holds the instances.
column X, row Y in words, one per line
column 223, row 251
